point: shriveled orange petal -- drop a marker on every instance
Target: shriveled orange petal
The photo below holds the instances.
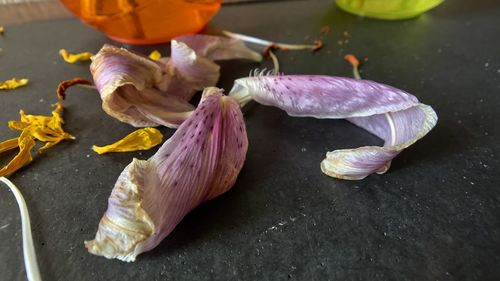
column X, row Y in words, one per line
column 64, row 85
column 72, row 58
column 13, row 83
column 142, row 139
column 23, row 158
column 155, row 55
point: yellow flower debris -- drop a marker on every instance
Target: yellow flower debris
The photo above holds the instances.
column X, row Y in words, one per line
column 2, row 29
column 142, row 139
column 47, row 129
column 155, row 55
column 13, row 83
column 72, row 58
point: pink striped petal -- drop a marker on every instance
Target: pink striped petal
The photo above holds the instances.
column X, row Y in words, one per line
column 391, row 114
column 199, row 162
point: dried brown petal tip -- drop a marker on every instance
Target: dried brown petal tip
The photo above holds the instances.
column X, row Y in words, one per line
column 318, row 44
column 64, row 85
column 268, row 48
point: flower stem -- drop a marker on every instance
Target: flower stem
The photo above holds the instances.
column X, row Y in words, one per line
column 355, row 64
column 263, row 42
column 276, row 63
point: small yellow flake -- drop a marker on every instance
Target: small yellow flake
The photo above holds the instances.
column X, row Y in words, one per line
column 142, row 139
column 13, row 83
column 47, row 129
column 155, row 55
column 72, row 58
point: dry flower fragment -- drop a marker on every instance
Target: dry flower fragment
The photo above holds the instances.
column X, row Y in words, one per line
column 72, row 58
column 141, row 139
column 350, row 58
column 199, row 162
column 155, row 55
column 2, row 29
column 387, row 112
column 143, row 93
column 13, row 83
column 46, row 129
column 64, row 85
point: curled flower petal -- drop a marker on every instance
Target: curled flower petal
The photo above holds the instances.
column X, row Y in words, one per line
column 155, row 55
column 391, row 114
column 43, row 128
column 13, row 83
column 64, row 85
column 23, row 158
column 192, row 72
column 143, row 93
column 8, row 145
column 191, row 65
column 47, row 129
column 199, row 162
column 72, row 58
column 142, row 139
column 130, row 87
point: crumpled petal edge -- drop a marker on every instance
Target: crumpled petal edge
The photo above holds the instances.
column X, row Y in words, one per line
column 125, row 220
column 352, row 164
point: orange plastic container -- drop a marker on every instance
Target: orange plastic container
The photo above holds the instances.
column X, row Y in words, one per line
column 144, row 21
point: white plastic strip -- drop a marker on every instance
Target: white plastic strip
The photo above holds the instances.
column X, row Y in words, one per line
column 30, row 263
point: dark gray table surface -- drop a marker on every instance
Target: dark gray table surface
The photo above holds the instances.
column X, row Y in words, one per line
column 433, row 216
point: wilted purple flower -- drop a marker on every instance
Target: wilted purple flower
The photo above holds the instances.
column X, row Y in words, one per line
column 143, row 92
column 199, row 162
column 389, row 113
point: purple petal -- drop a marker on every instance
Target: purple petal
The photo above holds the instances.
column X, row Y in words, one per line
column 391, row 114
column 129, row 87
column 190, row 72
column 142, row 92
column 219, row 48
column 199, row 162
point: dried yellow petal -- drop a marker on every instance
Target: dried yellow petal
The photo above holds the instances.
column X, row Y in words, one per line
column 1, row 29
column 8, row 145
column 155, row 55
column 13, row 83
column 72, row 58
column 33, row 127
column 23, row 158
column 142, row 139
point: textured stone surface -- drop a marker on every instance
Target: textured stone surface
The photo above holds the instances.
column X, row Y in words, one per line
column 433, row 216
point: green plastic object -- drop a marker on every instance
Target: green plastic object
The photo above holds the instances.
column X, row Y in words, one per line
column 388, row 9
